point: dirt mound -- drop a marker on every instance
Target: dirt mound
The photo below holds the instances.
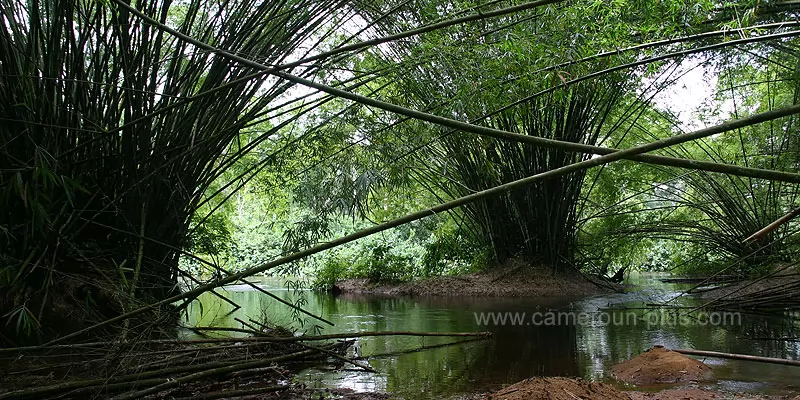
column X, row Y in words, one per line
column 576, row 388
column 514, row 280
column 678, row 394
column 558, row 389
column 660, row 365
column 694, row 393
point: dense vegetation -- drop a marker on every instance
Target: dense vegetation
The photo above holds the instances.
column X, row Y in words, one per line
column 144, row 152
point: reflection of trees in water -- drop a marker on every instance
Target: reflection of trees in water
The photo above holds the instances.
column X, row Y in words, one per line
column 515, row 352
column 534, row 351
column 605, row 345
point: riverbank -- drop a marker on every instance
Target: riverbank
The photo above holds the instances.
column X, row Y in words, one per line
column 786, row 278
column 656, row 374
column 557, row 388
column 512, row 280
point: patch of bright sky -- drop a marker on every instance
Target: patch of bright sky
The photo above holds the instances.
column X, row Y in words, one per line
column 352, row 25
column 692, row 97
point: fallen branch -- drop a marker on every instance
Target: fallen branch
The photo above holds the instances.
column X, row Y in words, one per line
column 117, row 382
column 341, row 358
column 171, row 383
column 485, row 335
column 224, row 329
column 225, row 394
column 733, row 356
column 419, row 349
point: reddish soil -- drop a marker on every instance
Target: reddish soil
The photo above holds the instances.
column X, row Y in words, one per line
column 660, row 365
column 676, row 394
column 693, row 393
column 572, row 389
column 514, row 280
column 655, row 366
column 558, row 389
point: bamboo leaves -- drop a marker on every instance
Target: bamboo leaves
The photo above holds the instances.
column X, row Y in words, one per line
column 75, row 76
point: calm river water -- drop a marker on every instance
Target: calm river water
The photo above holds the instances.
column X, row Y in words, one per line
column 556, row 337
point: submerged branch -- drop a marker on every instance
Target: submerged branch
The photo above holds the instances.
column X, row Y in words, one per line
column 733, row 356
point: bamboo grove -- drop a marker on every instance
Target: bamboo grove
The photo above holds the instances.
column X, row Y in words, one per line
column 126, row 126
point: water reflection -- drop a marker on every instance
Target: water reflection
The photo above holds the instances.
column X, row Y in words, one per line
column 516, row 351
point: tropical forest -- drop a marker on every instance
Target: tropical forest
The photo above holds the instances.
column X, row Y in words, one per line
column 400, row 199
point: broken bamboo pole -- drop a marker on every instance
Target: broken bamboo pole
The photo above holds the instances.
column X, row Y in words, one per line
column 170, row 383
column 229, row 394
column 484, row 335
column 733, row 356
column 365, row 367
column 771, row 227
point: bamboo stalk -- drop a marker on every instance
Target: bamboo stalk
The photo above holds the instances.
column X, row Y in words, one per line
column 140, row 252
column 771, row 227
column 341, row 358
column 350, row 335
column 664, row 42
column 284, row 302
column 171, row 383
column 691, row 164
column 488, row 193
column 323, row 55
column 197, row 282
column 127, row 72
column 228, row 394
column 733, row 356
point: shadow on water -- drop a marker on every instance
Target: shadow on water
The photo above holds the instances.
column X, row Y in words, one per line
column 582, row 337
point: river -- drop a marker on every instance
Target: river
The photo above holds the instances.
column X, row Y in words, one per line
column 556, row 337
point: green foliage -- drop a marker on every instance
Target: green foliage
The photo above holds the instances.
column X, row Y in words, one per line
column 211, row 237
column 451, row 252
column 333, row 269
column 108, row 149
column 24, row 321
column 373, row 259
column 401, row 255
column 380, row 264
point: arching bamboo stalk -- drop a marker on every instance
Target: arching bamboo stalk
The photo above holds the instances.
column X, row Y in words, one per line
column 593, row 162
column 318, row 57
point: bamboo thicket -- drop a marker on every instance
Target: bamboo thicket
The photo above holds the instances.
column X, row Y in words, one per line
column 111, row 132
